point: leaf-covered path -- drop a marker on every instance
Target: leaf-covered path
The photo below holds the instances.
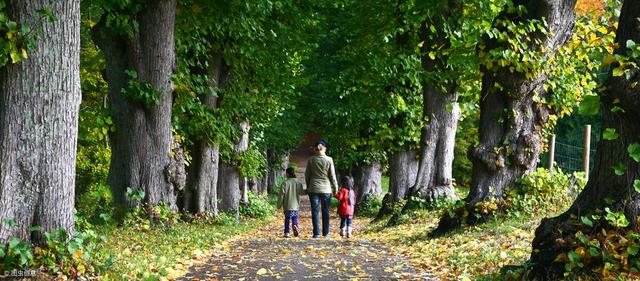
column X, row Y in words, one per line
column 265, row 255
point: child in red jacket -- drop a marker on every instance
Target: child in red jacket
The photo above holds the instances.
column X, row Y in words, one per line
column 347, row 198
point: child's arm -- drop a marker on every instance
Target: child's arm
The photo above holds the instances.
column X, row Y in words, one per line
column 301, row 189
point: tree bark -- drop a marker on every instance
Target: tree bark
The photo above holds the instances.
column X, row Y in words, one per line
column 403, row 170
column 511, row 122
column 603, row 182
column 229, row 180
column 39, row 106
column 441, row 113
column 277, row 166
column 368, row 181
column 141, row 147
column 202, row 189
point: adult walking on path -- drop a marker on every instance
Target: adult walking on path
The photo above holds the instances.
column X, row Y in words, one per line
column 320, row 176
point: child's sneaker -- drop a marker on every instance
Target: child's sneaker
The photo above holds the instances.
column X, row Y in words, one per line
column 287, row 235
column 342, row 232
column 349, row 232
column 295, row 231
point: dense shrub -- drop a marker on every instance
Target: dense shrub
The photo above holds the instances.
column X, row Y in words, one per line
column 369, row 207
column 542, row 190
column 61, row 255
column 259, row 207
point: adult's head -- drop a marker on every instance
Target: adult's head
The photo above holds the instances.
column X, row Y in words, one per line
column 320, row 146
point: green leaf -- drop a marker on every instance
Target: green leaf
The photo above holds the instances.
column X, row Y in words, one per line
column 573, row 257
column 610, row 134
column 636, row 185
column 618, row 71
column 619, row 169
column 634, row 151
column 633, row 250
column 35, row 228
column 590, row 105
column 631, row 44
column 13, row 242
column 1, row 253
column 587, row 221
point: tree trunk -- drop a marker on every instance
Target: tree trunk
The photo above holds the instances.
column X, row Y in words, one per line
column 277, row 166
column 229, row 179
column 39, row 106
column 603, row 184
column 434, row 178
column 511, row 122
column 368, row 181
column 141, row 147
column 440, row 111
column 403, row 170
column 202, row 190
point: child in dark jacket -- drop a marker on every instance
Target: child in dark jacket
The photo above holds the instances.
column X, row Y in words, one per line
column 347, row 198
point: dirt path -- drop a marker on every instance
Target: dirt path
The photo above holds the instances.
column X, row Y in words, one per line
column 265, row 255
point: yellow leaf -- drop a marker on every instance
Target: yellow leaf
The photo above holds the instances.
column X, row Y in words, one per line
column 432, row 55
column 261, row 271
column 608, row 60
column 421, row 44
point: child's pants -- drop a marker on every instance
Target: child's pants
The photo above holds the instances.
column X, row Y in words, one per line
column 348, row 220
column 293, row 216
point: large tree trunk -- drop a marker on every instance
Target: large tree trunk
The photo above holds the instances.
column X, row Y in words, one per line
column 511, row 122
column 440, row 111
column 141, row 147
column 202, row 189
column 39, row 106
column 368, row 181
column 229, row 180
column 603, row 183
column 403, row 170
column 434, row 177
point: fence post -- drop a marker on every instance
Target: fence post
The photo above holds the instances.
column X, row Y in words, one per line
column 587, row 150
column 552, row 152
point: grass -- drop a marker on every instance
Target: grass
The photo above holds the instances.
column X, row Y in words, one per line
column 159, row 254
column 470, row 253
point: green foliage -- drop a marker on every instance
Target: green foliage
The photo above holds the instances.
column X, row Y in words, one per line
column 141, row 92
column 542, row 191
column 610, row 134
column 16, row 38
column 259, row 207
column 60, row 255
column 602, row 251
column 634, row 151
column 370, row 207
column 143, row 216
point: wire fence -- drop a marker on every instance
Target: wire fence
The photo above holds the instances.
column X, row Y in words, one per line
column 568, row 156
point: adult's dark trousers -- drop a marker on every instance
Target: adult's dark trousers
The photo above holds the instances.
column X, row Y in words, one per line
column 320, row 201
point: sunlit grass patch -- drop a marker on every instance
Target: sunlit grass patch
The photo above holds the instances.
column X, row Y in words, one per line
column 165, row 253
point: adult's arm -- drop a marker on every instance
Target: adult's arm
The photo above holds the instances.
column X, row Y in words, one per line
column 307, row 174
column 332, row 176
